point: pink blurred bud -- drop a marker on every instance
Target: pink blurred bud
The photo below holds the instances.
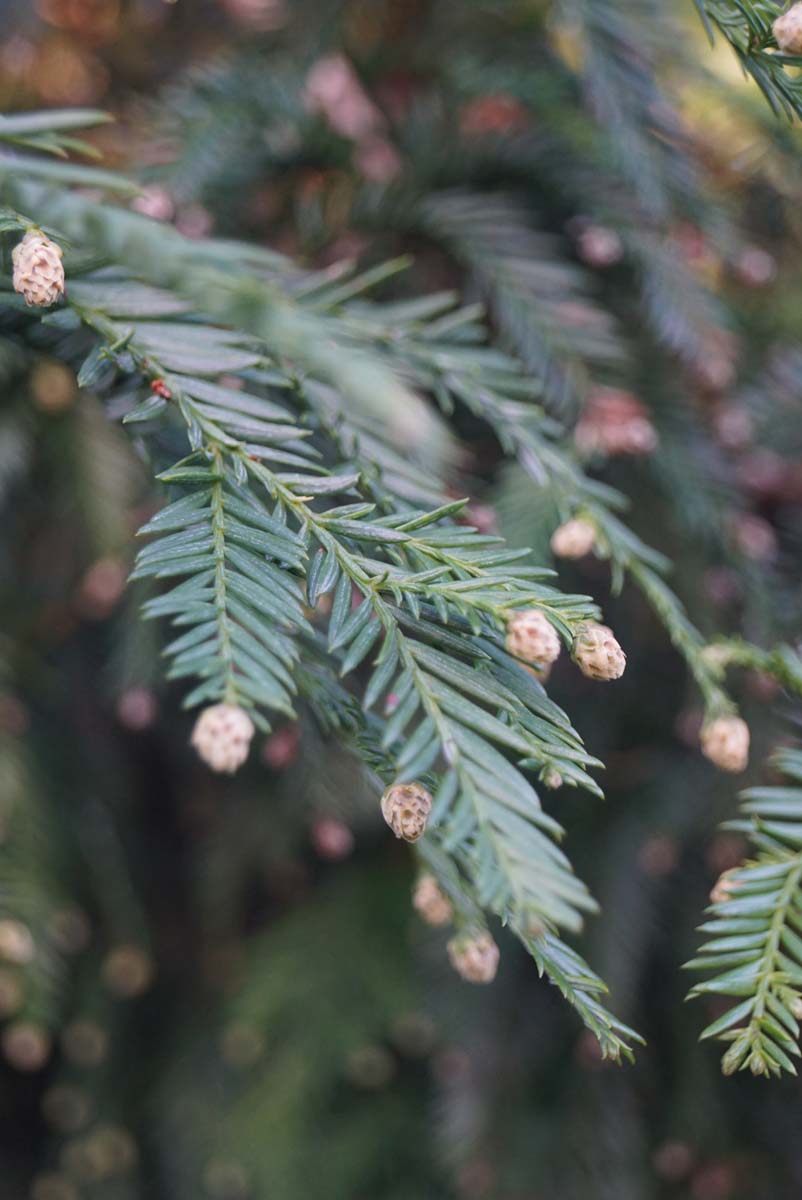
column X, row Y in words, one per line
column 673, row 1161
column 155, row 202
column 332, row 839
column 281, row 748
column 715, row 1181
column 136, row 709
column 333, row 90
column 658, row 856
column 754, row 537
column 194, row 221
column 734, row 426
column 493, row 114
column 755, row 267
column 101, row 588
column 599, row 247
column 482, row 517
column 614, row 422
column 721, row 585
column 377, row 160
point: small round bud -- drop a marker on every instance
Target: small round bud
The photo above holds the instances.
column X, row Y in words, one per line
column 101, row 588
column 281, row 749
column 26, row 1046
column 222, row 736
column 787, row 30
column 599, row 246
column 38, row 270
column 725, row 741
column 136, row 709
column 597, row 653
column 552, row 779
column 429, row 902
column 673, row 1161
column 53, row 387
column 474, row 957
column 755, row 267
column 614, row 422
column 405, row 807
column 16, row 942
column 128, row 970
column 574, row 539
column 332, row 839
column 532, row 637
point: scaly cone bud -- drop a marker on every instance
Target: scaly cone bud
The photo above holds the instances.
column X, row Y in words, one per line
column 532, row 637
column 787, row 30
column 430, row 903
column 725, row 742
column 222, row 736
column 405, row 808
column 38, row 269
column 474, row 957
column 597, row 653
column 574, row 539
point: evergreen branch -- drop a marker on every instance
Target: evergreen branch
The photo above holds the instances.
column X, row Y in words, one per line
column 490, row 386
column 566, row 970
column 781, row 663
column 436, row 596
column 30, row 893
column 756, row 920
column 440, row 575
column 530, row 291
column 445, row 369
column 582, row 988
column 243, row 287
column 618, row 74
column 747, row 26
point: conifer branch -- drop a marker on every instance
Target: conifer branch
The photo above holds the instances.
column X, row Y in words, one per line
column 756, row 919
column 748, row 27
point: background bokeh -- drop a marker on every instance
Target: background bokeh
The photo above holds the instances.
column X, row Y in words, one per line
column 218, row 988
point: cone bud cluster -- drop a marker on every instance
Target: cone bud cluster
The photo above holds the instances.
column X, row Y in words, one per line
column 222, row 736
column 532, row 637
column 574, row 539
column 38, row 272
column 787, row 30
column 597, row 653
column 405, row 808
column 429, row 901
column 725, row 741
column 474, row 957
